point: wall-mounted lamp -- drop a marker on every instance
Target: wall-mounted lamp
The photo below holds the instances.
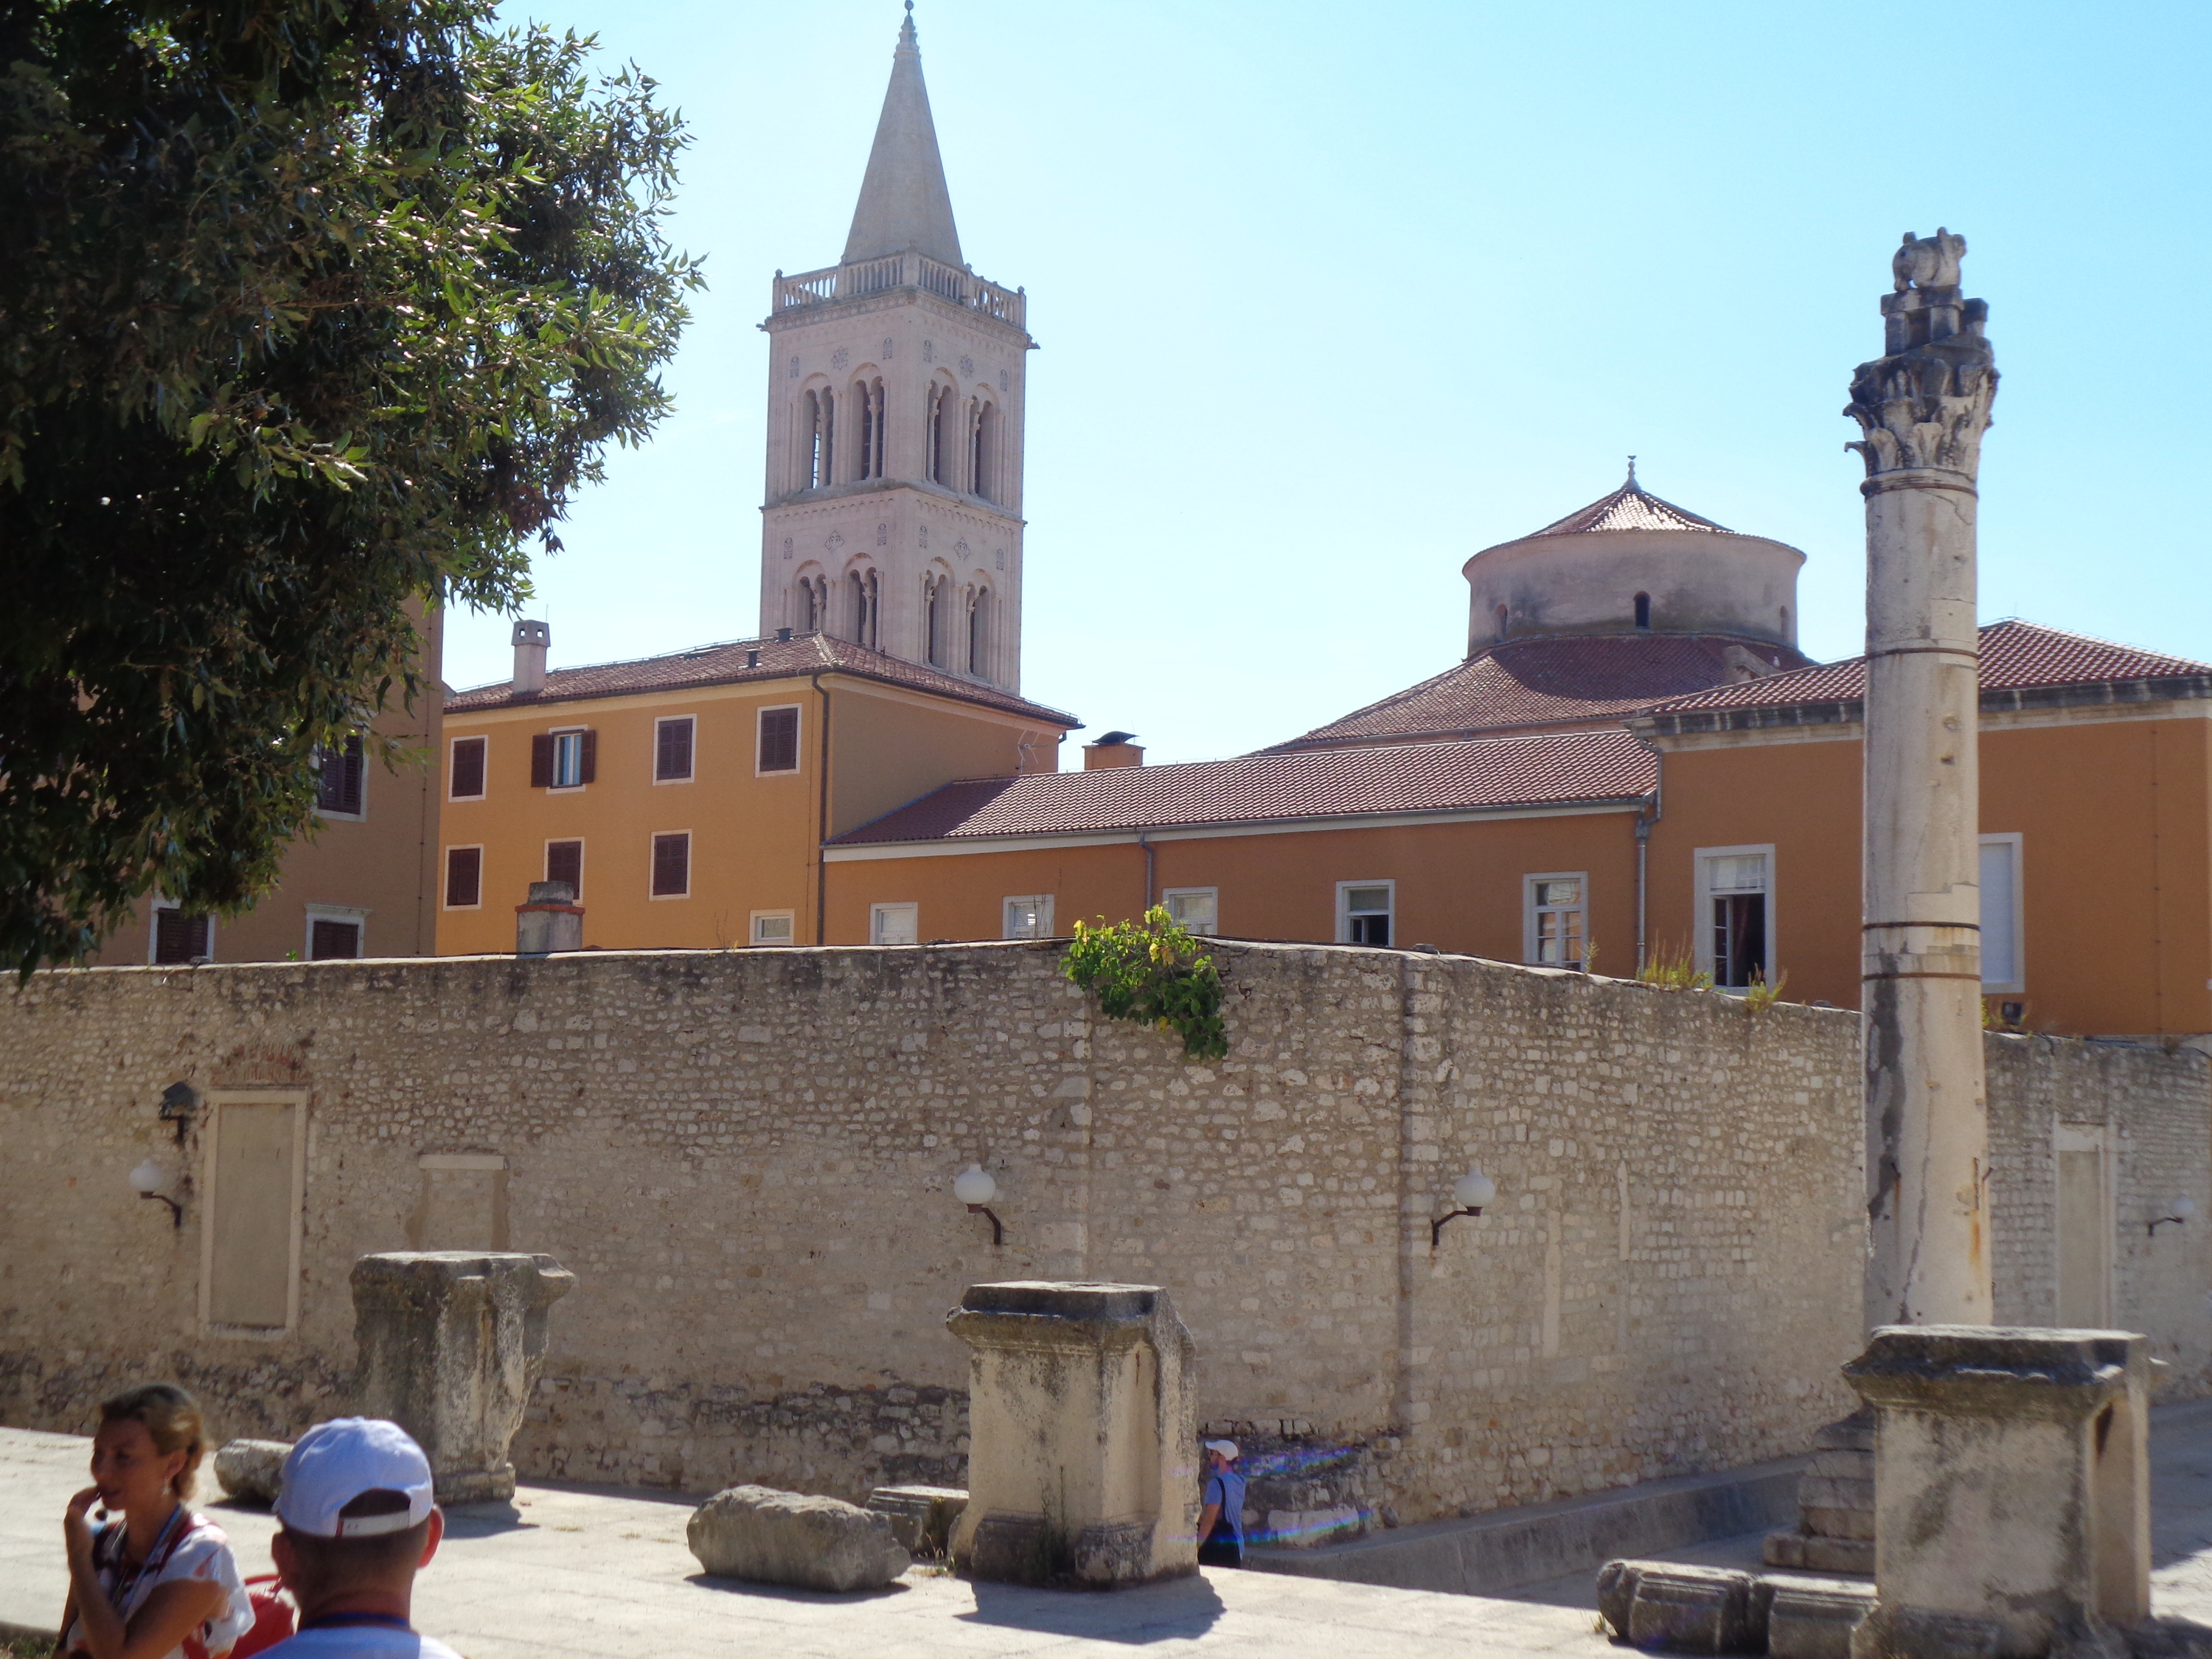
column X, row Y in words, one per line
column 2183, row 1209
column 147, row 1180
column 1470, row 1192
column 974, row 1186
column 179, row 1101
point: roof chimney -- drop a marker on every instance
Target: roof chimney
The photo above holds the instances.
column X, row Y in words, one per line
column 550, row 921
column 531, row 640
column 1112, row 749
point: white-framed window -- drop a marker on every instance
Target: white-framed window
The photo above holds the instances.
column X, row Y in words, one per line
column 776, row 747
column 342, row 779
column 466, row 773
column 564, row 861
column 254, row 1177
column 673, row 737
column 671, row 864
column 1555, row 918
column 2004, row 965
column 568, row 760
column 1196, row 909
column 464, row 877
column 1365, row 910
column 1029, row 916
column 179, row 935
column 1734, row 921
column 773, row 926
column 894, row 924
column 337, row 931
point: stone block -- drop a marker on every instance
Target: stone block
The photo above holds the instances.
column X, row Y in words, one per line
column 252, row 1470
column 1855, row 1522
column 922, row 1517
column 551, row 921
column 449, row 1344
column 1805, row 1619
column 1666, row 1606
column 2011, row 1490
column 771, row 1537
column 1818, row 1552
column 1083, row 1429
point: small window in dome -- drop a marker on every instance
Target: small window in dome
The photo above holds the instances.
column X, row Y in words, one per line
column 1644, row 610
column 1502, row 615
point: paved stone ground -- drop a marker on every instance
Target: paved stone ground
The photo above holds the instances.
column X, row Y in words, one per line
column 571, row 1570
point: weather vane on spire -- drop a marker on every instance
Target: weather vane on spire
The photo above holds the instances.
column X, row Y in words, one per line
column 1632, row 459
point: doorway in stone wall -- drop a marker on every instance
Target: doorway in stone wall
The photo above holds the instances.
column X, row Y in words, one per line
column 2083, row 1191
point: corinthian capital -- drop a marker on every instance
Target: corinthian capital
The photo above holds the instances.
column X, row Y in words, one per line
column 1926, row 403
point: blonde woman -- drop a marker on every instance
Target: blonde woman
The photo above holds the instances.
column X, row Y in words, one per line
column 154, row 1581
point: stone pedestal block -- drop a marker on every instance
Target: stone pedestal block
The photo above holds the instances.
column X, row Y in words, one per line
column 2012, row 1491
column 551, row 920
column 922, row 1517
column 450, row 1343
column 1083, row 1425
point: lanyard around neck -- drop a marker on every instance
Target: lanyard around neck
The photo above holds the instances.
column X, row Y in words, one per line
column 155, row 1557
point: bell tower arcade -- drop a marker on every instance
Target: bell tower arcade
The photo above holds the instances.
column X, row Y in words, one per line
column 892, row 511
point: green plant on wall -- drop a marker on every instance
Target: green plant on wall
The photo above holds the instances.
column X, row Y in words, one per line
column 1155, row 973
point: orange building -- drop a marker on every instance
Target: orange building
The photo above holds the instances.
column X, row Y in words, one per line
column 363, row 885
column 684, row 799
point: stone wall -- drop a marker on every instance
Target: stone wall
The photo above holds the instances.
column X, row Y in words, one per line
column 747, row 1158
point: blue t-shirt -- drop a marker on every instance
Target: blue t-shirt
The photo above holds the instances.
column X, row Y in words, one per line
column 1227, row 1488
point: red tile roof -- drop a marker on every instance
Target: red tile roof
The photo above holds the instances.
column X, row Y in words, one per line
column 1629, row 508
column 1557, row 681
column 725, row 665
column 2016, row 656
column 1557, row 769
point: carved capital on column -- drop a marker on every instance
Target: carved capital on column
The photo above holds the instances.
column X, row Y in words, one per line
column 1925, row 405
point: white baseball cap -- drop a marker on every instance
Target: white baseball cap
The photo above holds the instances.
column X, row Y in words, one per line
column 337, row 1462
column 1226, row 1448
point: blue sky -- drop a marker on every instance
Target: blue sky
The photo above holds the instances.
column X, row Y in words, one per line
column 1330, row 298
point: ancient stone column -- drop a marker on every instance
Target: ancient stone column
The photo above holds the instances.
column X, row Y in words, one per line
column 1083, row 1435
column 551, row 921
column 1923, row 408
column 450, row 1343
column 2012, row 1485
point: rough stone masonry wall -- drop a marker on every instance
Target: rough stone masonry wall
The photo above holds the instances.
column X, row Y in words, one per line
column 747, row 1158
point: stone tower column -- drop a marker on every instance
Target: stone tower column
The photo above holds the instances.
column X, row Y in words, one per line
column 1924, row 407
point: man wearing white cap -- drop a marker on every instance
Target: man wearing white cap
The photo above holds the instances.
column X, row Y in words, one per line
column 1221, row 1523
column 358, row 1522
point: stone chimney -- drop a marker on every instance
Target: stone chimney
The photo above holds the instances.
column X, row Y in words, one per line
column 551, row 921
column 1114, row 748
column 531, row 640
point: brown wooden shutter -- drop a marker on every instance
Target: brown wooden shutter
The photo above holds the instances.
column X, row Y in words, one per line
column 468, row 768
column 588, row 768
column 464, row 877
column 673, row 751
column 779, row 740
column 541, row 761
column 179, row 937
column 672, row 866
column 564, row 861
column 329, row 940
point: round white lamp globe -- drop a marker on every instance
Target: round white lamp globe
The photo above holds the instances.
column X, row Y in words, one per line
column 146, row 1179
column 1474, row 1190
column 2184, row 1208
column 974, row 1185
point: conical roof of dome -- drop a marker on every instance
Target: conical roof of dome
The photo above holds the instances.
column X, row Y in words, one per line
column 1632, row 506
column 904, row 201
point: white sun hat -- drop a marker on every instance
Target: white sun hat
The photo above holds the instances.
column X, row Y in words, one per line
column 337, row 1462
column 1226, row 1448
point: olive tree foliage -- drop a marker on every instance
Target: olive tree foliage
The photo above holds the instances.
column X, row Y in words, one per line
column 314, row 313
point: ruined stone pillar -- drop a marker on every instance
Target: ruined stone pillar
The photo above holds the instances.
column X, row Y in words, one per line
column 450, row 1343
column 551, row 921
column 2012, row 1491
column 1083, row 1435
column 1923, row 408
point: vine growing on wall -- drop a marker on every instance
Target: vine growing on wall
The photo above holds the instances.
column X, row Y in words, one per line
column 1153, row 972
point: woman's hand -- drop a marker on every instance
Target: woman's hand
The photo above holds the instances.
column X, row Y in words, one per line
column 77, row 1529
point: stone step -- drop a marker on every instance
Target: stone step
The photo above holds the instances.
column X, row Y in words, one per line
column 1842, row 1465
column 1818, row 1491
column 1484, row 1554
column 1813, row 1552
column 1835, row 1523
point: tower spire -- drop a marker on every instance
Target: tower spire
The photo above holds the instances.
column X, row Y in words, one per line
column 903, row 200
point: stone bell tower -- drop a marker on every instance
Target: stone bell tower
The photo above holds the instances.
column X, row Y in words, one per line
column 892, row 512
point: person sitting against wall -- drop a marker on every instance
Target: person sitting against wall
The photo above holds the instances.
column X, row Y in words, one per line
column 1221, row 1523
column 152, row 1575
column 358, row 1522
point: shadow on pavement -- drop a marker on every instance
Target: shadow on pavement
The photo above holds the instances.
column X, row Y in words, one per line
column 791, row 1593
column 1180, row 1610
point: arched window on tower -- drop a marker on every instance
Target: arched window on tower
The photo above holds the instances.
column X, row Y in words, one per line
column 987, row 450
column 861, row 593
column 867, row 407
column 810, row 605
column 940, row 435
column 818, row 420
column 932, row 622
column 1503, row 617
column 979, row 634
column 1644, row 610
